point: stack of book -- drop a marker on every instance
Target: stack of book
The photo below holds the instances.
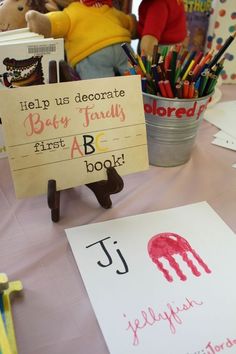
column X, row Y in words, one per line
column 24, row 61
column 197, row 16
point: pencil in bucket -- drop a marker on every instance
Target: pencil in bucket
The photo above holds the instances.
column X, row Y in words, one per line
column 177, row 86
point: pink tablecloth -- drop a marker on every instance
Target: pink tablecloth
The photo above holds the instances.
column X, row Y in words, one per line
column 54, row 315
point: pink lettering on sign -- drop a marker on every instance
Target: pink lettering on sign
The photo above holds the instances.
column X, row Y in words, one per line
column 35, row 124
column 149, row 317
column 114, row 111
column 167, row 245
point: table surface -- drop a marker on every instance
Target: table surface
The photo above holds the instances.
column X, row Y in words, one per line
column 54, row 314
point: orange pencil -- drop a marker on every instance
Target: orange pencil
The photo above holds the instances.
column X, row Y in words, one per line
column 196, row 70
column 206, row 58
column 185, row 89
column 191, row 90
column 197, row 59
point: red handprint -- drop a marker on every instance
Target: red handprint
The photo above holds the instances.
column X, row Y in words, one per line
column 168, row 244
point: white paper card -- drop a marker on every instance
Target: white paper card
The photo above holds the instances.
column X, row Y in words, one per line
column 225, row 143
column 225, row 136
column 224, row 140
column 222, row 115
column 161, row 282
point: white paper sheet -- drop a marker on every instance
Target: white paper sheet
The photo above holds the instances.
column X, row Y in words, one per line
column 225, row 136
column 161, row 282
column 222, row 115
column 225, row 140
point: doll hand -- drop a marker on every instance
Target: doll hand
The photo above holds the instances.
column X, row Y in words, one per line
column 134, row 34
column 38, row 23
column 51, row 5
column 147, row 43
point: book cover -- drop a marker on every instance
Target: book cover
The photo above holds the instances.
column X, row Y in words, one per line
column 197, row 16
column 25, row 62
column 27, row 35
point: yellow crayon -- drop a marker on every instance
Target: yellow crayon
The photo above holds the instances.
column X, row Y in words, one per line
column 4, row 342
column 7, row 288
column 140, row 63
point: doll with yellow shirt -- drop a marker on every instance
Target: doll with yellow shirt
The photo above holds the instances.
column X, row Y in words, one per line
column 93, row 31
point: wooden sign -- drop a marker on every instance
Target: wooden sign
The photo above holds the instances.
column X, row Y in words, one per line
column 73, row 131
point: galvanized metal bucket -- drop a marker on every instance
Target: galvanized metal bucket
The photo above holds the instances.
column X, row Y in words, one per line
column 172, row 126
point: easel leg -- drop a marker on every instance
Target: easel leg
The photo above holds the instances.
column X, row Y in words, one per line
column 103, row 189
column 54, row 200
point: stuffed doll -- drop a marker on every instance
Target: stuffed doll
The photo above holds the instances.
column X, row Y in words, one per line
column 160, row 22
column 12, row 12
column 93, row 34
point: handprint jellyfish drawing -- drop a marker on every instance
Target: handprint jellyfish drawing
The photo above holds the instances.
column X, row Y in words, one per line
column 167, row 245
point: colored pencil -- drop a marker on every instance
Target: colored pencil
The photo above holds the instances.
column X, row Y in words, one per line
column 177, row 72
column 222, row 50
